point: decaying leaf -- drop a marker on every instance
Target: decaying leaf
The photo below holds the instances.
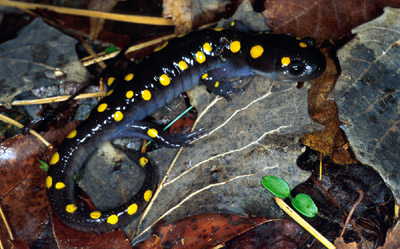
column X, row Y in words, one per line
column 281, row 233
column 367, row 94
column 23, row 193
column 255, row 135
column 67, row 237
column 187, row 15
column 96, row 24
column 340, row 244
column 392, row 239
column 321, row 19
column 331, row 141
column 200, row 231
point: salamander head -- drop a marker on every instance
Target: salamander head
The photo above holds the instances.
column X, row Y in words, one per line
column 286, row 58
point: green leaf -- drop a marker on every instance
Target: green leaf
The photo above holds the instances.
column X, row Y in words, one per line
column 277, row 186
column 110, row 49
column 43, row 165
column 305, row 205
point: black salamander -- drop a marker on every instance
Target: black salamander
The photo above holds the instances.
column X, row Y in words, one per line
column 211, row 57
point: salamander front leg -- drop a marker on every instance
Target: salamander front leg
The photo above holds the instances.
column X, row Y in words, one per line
column 222, row 87
column 218, row 80
column 151, row 132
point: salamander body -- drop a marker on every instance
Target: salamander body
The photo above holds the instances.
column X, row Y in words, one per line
column 211, row 57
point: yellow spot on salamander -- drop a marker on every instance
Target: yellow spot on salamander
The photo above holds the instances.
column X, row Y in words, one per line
column 72, row 134
column 216, row 84
column 235, row 46
column 70, row 208
column 161, row 47
column 129, row 94
column 87, row 116
column 218, row 29
column 207, row 47
column 146, row 95
column 109, row 92
column 164, row 80
column 49, row 182
column 285, row 61
column 298, row 38
column 303, row 44
column 200, row 57
column 95, row 215
column 102, row 107
column 180, row 35
column 118, row 116
column 132, row 209
column 256, row 51
column 182, row 65
column 143, row 161
column 129, row 77
column 233, row 23
column 112, row 219
column 60, row 185
column 204, row 76
column 110, row 81
column 147, row 195
column 152, row 133
column 55, row 158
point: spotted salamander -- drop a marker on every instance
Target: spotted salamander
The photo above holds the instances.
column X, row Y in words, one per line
column 211, row 57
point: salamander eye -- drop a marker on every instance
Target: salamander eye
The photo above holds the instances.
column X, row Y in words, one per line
column 296, row 68
column 309, row 41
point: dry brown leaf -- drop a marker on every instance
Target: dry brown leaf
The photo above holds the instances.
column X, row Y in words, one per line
column 321, row 19
column 331, row 141
column 340, row 244
column 96, row 24
column 187, row 15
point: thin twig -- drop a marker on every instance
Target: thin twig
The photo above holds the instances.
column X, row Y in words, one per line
column 336, row 204
column 91, row 13
column 352, row 210
column 303, row 223
column 101, row 57
column 19, row 125
column 56, row 99
column 3, row 217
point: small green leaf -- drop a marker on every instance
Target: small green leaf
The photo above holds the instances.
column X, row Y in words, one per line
column 43, row 165
column 305, row 205
column 277, row 186
column 110, row 49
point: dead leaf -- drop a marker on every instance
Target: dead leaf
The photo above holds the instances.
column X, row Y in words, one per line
column 323, row 110
column 321, row 19
column 96, row 24
column 187, row 15
column 340, row 244
column 201, row 231
column 23, row 193
column 283, row 233
column 392, row 238
column 367, row 94
column 67, row 237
